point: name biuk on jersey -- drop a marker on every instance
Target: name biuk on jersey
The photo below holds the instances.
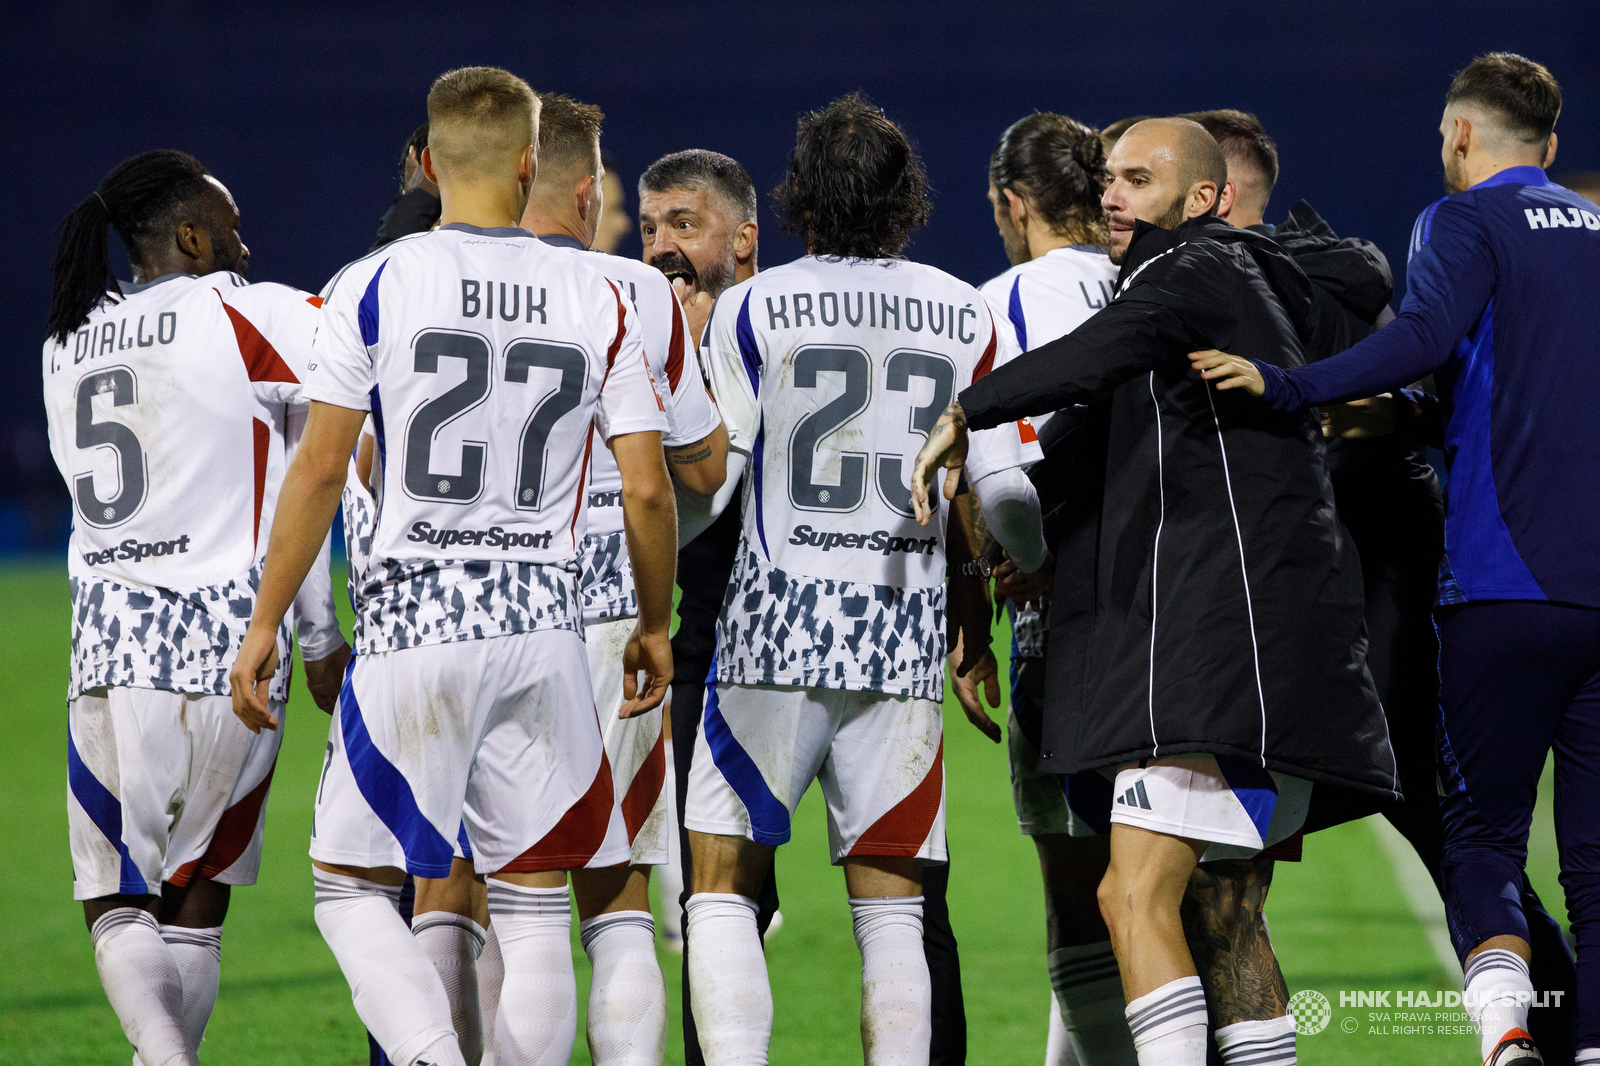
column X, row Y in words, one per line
column 487, row 360
column 830, row 374
column 166, row 417
column 607, row 577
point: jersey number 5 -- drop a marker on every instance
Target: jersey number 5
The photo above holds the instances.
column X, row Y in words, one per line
column 119, row 383
column 433, row 415
column 901, row 366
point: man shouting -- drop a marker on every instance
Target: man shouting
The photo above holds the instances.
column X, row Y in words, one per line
column 1206, row 630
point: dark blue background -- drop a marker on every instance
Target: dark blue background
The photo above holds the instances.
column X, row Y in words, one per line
column 301, row 110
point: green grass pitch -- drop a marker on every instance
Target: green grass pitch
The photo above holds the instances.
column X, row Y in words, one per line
column 1339, row 920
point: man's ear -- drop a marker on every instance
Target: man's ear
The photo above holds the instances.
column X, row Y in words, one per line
column 583, row 196
column 1225, row 201
column 528, row 167
column 1550, row 152
column 744, row 240
column 427, row 165
column 1202, row 194
column 1461, row 143
column 192, row 241
column 1018, row 208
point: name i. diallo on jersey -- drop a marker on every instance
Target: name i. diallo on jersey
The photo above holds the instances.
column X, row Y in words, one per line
column 874, row 309
column 111, row 336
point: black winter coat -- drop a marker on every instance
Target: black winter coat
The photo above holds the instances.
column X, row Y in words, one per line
column 1206, row 597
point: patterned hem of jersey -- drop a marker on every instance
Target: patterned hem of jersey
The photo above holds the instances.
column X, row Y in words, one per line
column 921, row 688
column 782, row 628
column 412, row 605
column 126, row 636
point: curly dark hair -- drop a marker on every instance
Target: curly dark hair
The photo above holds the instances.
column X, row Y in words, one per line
column 855, row 187
column 1059, row 164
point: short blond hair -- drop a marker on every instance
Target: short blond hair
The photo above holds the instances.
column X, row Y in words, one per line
column 480, row 119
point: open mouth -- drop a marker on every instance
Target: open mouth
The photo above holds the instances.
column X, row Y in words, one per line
column 675, row 267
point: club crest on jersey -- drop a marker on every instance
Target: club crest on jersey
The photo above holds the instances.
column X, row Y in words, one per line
column 879, row 540
column 493, row 537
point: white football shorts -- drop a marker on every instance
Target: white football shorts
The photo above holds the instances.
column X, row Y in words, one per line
column 880, row 759
column 164, row 786
column 634, row 746
column 1239, row 807
column 1074, row 805
column 495, row 740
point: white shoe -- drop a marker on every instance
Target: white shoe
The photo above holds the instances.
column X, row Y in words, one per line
column 1515, row 1049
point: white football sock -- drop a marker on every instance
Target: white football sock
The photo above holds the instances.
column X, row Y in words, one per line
column 1058, row 1045
column 198, row 953
column 453, row 942
column 538, row 1016
column 396, row 990
column 1169, row 1024
column 142, row 982
column 670, row 875
column 1088, row 990
column 732, row 998
column 1498, row 994
column 627, row 1019
column 896, row 991
column 1268, row 1043
column 491, row 972
column 1587, row 1056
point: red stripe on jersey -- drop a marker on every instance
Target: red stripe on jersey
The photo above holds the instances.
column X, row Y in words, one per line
column 263, row 442
column 622, row 329
column 580, row 832
column 616, row 346
column 645, row 788
column 314, row 301
column 906, row 825
column 675, row 347
column 261, row 359
column 986, row 364
column 235, row 829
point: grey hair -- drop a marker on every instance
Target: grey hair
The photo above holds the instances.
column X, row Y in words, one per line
column 697, row 168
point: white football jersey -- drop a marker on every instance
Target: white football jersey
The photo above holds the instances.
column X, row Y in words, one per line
column 1052, row 295
column 607, row 580
column 1039, row 301
column 488, row 361
column 830, row 374
column 167, row 411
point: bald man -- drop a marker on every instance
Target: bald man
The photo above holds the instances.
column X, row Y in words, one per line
column 1206, row 624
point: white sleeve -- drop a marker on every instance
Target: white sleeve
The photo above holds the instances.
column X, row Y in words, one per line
column 1003, row 447
column 273, row 326
column 316, row 619
column 341, row 371
column 697, row 513
column 731, row 376
column 1011, row 507
column 629, row 402
column 694, row 414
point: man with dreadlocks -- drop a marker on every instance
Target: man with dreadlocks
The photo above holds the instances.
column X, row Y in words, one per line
column 830, row 645
column 172, row 403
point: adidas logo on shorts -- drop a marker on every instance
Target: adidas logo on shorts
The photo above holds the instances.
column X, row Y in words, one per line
column 1135, row 797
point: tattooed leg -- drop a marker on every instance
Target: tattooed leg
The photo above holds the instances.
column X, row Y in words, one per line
column 1222, row 921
